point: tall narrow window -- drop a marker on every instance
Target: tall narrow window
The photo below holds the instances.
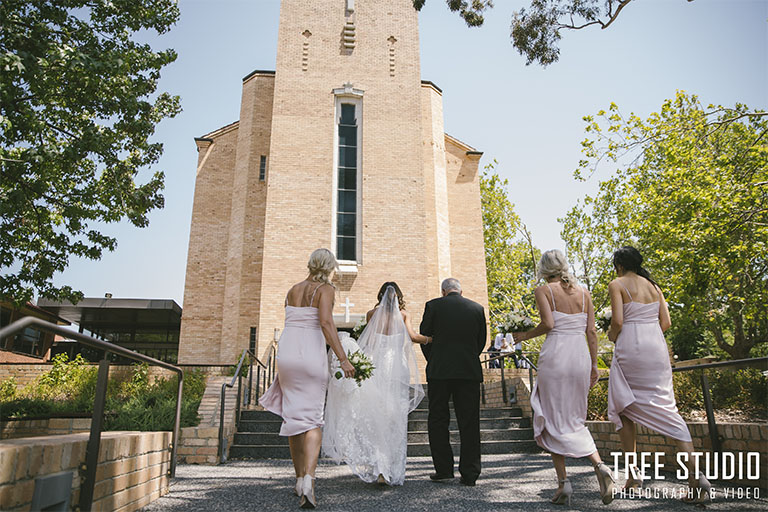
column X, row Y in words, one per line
column 346, row 205
column 252, row 340
column 263, row 168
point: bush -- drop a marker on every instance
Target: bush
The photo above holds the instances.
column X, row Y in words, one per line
column 597, row 402
column 136, row 404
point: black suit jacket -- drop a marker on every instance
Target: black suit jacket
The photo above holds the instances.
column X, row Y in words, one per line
column 458, row 330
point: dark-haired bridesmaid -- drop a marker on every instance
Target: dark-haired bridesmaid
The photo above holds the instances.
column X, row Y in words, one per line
column 640, row 383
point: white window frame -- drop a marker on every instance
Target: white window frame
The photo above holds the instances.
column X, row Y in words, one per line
column 351, row 96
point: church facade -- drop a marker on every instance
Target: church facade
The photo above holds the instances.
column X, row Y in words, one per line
column 342, row 146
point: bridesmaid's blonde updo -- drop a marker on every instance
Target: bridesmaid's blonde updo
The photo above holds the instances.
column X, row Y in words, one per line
column 321, row 263
column 554, row 264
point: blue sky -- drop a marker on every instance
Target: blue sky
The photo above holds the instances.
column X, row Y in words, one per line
column 528, row 118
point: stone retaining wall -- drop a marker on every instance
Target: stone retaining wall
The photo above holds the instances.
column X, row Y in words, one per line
column 132, row 471
column 199, row 445
column 12, row 429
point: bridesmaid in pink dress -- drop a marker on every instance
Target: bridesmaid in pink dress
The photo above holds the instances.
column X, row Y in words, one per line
column 567, row 369
column 640, row 383
column 298, row 392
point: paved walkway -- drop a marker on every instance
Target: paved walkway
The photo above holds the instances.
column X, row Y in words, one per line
column 508, row 482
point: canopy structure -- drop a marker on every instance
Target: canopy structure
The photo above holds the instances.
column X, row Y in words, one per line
column 148, row 326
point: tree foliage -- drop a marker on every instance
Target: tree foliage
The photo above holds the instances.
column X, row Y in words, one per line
column 510, row 256
column 78, row 106
column 536, row 30
column 691, row 192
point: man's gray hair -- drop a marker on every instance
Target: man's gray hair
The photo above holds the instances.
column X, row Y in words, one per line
column 451, row 284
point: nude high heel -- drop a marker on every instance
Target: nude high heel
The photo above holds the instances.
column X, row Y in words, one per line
column 308, row 493
column 635, row 480
column 299, row 486
column 605, row 481
column 705, row 496
column 565, row 494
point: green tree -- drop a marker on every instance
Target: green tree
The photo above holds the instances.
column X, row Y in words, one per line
column 536, row 31
column 691, row 193
column 78, row 105
column 510, row 256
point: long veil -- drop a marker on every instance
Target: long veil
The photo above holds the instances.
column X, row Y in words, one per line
column 366, row 427
column 386, row 340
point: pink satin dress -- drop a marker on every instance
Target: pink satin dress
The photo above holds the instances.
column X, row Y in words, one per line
column 640, row 382
column 559, row 398
column 298, row 392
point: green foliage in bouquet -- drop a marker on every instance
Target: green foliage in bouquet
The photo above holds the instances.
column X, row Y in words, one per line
column 362, row 364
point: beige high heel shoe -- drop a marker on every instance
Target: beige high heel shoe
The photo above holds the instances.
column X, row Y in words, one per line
column 605, row 481
column 635, row 480
column 705, row 496
column 564, row 494
column 308, row 493
column 299, row 486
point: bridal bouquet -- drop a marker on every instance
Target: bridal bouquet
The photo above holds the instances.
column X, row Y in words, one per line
column 362, row 364
column 603, row 319
column 516, row 321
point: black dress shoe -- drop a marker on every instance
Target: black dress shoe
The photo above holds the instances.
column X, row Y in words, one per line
column 469, row 483
column 436, row 477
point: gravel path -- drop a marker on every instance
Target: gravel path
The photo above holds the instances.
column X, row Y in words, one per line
column 508, row 482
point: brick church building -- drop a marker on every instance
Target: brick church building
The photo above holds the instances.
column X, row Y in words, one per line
column 342, row 146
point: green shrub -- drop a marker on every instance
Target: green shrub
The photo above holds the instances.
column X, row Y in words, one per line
column 8, row 389
column 133, row 404
column 597, row 403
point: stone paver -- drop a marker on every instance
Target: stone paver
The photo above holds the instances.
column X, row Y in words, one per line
column 508, row 482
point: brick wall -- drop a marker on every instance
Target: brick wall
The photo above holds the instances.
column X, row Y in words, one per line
column 132, row 471
column 13, row 429
column 199, row 445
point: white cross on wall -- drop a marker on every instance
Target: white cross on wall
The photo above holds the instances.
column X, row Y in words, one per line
column 347, row 305
column 350, row 5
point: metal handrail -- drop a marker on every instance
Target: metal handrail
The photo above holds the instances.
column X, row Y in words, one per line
column 755, row 362
column 97, row 420
column 501, row 357
column 236, row 378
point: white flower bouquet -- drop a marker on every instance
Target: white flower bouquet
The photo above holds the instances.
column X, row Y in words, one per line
column 359, row 328
column 516, row 321
column 362, row 364
column 603, row 319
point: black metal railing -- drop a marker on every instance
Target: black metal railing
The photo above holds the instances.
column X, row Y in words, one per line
column 97, row 420
column 265, row 374
column 760, row 363
column 518, row 357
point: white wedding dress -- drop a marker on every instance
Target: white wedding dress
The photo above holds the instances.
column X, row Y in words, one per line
column 366, row 427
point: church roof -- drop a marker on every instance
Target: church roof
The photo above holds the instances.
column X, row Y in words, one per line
column 219, row 131
column 463, row 145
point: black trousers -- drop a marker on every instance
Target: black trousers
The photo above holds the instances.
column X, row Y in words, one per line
column 466, row 405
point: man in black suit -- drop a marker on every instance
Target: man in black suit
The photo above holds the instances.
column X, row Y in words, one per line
column 458, row 330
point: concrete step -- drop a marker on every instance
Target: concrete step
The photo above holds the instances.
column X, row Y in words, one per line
column 485, row 424
column 253, row 415
column 489, row 413
column 272, row 439
column 260, row 426
column 414, row 450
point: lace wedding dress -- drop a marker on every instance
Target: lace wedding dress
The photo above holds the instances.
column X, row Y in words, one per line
column 366, row 427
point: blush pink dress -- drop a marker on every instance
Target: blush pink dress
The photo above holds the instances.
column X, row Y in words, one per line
column 298, row 392
column 559, row 398
column 640, row 382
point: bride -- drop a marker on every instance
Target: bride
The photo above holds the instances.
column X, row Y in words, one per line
column 366, row 426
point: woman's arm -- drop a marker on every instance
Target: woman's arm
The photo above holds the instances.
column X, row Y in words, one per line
column 592, row 340
column 415, row 337
column 665, row 322
column 617, row 310
column 547, row 319
column 327, row 325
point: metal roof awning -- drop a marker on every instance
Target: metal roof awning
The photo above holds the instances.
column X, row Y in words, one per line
column 94, row 313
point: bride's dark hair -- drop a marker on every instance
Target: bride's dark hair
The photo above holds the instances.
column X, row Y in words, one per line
column 383, row 289
column 630, row 259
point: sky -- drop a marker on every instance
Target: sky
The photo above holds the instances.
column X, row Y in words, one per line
column 527, row 118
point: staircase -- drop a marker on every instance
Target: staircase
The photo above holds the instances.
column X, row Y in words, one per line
column 502, row 430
